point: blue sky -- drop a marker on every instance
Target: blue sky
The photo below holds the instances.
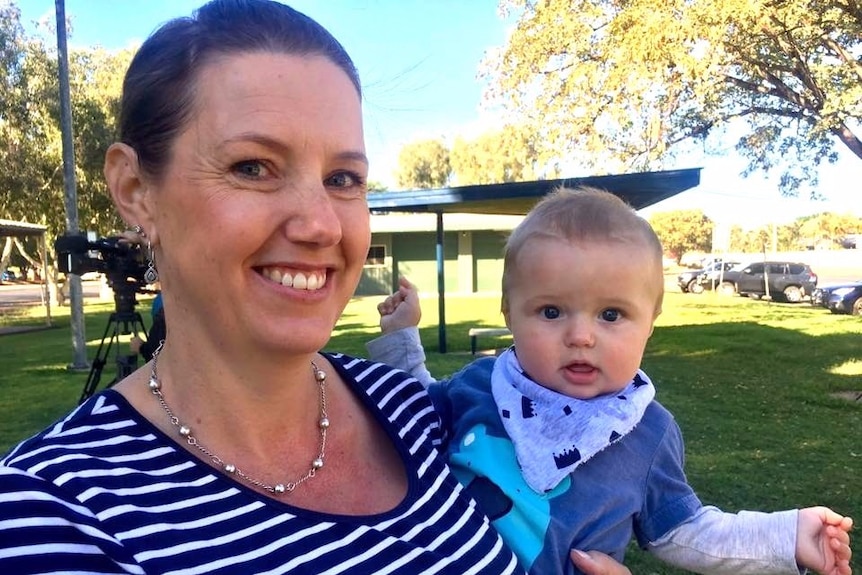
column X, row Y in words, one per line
column 418, row 60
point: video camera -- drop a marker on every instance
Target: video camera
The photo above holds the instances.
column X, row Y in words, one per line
column 122, row 262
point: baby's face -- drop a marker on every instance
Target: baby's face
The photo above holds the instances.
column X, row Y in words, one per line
column 581, row 314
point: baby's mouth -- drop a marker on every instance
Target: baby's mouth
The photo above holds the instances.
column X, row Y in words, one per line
column 580, row 367
column 306, row 280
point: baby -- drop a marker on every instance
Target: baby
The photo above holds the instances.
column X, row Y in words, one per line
column 560, row 440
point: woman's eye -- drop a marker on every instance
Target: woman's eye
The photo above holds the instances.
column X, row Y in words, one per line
column 250, row 169
column 611, row 314
column 550, row 312
column 344, row 180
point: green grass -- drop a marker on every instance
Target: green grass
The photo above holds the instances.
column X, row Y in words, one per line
column 754, row 386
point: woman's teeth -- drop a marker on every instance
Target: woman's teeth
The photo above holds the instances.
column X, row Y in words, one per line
column 309, row 281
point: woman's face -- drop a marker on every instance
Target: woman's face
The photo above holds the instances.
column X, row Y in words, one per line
column 261, row 222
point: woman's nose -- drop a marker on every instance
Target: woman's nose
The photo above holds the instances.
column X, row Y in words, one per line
column 311, row 216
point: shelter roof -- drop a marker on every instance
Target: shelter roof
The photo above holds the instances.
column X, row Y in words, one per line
column 516, row 198
column 20, row 229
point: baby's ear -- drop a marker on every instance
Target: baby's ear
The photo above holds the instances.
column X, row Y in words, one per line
column 654, row 318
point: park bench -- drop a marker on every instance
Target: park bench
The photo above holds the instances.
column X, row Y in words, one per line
column 476, row 332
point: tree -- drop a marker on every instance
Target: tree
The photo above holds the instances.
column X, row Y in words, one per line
column 827, row 229
column 31, row 183
column 824, row 230
column 683, row 231
column 737, row 238
column 507, row 155
column 622, row 84
column 423, row 165
column 756, row 241
column 375, row 186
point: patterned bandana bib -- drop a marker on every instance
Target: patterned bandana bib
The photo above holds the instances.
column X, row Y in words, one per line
column 553, row 433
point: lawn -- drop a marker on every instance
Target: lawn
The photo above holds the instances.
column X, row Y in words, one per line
column 764, row 392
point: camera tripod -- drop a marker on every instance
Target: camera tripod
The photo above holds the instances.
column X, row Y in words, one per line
column 125, row 320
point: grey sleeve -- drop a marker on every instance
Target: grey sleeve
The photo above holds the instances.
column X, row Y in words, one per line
column 744, row 543
column 402, row 349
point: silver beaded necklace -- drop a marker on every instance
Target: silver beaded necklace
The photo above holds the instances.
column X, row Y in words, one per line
column 279, row 488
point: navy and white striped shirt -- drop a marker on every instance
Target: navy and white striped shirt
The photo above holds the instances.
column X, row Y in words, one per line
column 104, row 491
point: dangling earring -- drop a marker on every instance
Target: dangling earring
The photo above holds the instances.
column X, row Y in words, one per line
column 151, row 276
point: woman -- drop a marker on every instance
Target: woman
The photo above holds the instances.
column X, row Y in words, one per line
column 241, row 448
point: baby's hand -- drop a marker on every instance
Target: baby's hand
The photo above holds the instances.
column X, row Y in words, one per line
column 595, row 563
column 823, row 541
column 401, row 309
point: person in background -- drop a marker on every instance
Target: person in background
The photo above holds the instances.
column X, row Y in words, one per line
column 146, row 348
column 560, row 439
column 241, row 447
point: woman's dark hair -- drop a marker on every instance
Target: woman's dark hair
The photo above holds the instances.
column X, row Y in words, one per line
column 159, row 87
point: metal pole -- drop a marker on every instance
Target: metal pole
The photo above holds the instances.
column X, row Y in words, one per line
column 43, row 252
column 441, row 283
column 70, row 196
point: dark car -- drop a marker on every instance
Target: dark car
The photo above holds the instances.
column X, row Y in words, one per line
column 841, row 298
column 820, row 296
column 690, row 281
column 787, row 281
column 7, row 276
column 852, row 241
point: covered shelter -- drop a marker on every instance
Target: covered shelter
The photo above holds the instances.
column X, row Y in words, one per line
column 639, row 190
column 10, row 228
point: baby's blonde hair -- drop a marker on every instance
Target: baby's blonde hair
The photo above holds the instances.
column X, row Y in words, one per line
column 582, row 214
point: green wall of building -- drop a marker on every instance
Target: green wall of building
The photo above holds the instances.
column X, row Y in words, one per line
column 488, row 260
column 414, row 255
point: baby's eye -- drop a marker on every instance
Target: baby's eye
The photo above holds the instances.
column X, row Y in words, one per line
column 611, row 315
column 550, row 312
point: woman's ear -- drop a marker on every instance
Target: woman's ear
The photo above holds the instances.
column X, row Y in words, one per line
column 127, row 185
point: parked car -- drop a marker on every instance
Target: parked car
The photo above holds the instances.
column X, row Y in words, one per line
column 840, row 298
column 690, row 281
column 851, row 241
column 7, row 276
column 820, row 295
column 788, row 281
